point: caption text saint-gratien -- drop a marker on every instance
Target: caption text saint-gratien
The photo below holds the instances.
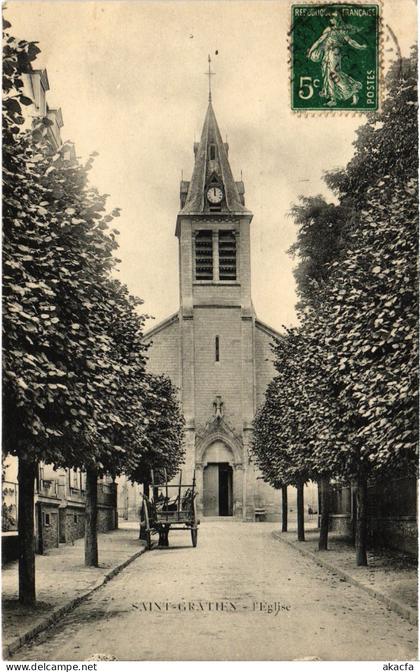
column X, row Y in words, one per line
column 219, row 606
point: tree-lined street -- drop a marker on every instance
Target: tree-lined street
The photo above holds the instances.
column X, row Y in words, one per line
column 211, row 401
column 237, row 564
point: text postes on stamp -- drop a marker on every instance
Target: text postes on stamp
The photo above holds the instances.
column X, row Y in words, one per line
column 335, row 56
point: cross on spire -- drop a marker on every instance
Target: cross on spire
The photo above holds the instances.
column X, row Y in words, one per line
column 209, row 74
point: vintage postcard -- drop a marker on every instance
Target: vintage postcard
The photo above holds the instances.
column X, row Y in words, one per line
column 209, row 332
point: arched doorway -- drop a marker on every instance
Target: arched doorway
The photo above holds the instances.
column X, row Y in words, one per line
column 218, row 480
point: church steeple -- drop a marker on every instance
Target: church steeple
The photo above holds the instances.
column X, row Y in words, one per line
column 213, row 229
column 212, row 175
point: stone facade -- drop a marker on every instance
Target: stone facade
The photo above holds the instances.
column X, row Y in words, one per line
column 72, row 523
column 59, row 507
column 399, row 532
column 392, row 513
column 48, row 526
column 214, row 349
column 106, row 519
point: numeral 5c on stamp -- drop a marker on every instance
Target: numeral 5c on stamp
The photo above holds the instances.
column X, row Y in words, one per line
column 335, row 56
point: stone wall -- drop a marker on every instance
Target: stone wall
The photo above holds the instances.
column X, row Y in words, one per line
column 341, row 524
column 106, row 519
column 218, row 378
column 129, row 499
column 264, row 367
column 72, row 523
column 392, row 508
column 399, row 533
column 163, row 354
column 49, row 522
column 9, row 547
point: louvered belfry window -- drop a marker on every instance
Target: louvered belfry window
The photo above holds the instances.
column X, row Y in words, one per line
column 204, row 255
column 227, row 255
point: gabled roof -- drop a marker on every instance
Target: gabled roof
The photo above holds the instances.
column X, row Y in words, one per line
column 205, row 167
column 267, row 329
column 172, row 319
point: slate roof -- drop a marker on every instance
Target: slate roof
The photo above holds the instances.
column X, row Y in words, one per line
column 204, row 168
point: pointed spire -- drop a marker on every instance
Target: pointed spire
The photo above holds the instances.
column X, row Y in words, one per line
column 211, row 163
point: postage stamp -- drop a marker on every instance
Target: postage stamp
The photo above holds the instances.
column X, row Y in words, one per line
column 335, row 56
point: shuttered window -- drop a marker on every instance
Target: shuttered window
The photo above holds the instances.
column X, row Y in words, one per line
column 227, row 255
column 204, row 255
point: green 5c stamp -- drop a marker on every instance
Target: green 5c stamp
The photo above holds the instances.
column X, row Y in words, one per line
column 335, row 56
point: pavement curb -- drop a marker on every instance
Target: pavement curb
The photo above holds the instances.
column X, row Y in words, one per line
column 403, row 610
column 53, row 617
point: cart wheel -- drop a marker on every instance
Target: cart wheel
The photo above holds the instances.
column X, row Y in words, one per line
column 148, row 540
column 194, row 535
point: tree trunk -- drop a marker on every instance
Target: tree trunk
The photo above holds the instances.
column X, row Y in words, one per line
column 284, row 508
column 361, row 522
column 146, row 493
column 300, row 513
column 325, row 514
column 91, row 518
column 26, row 530
column 353, row 514
column 115, row 501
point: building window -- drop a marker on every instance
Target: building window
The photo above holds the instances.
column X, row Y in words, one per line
column 47, row 519
column 227, row 255
column 217, row 349
column 204, row 255
column 75, row 518
column 212, row 152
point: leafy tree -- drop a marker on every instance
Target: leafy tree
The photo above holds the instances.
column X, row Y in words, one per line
column 73, row 359
column 320, row 241
column 162, row 440
column 360, row 305
column 26, row 304
column 373, row 326
column 295, row 430
column 113, row 376
column 281, row 430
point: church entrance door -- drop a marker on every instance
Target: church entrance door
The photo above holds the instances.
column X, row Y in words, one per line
column 217, row 490
column 225, row 490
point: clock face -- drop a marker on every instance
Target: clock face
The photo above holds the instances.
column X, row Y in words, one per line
column 214, row 195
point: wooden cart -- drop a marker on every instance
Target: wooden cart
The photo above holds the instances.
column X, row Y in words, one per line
column 162, row 512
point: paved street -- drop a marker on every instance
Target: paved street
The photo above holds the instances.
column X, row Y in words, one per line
column 224, row 586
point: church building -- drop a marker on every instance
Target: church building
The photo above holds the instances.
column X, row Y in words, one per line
column 214, row 349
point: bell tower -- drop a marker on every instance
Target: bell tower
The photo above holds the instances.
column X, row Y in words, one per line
column 213, row 228
column 216, row 316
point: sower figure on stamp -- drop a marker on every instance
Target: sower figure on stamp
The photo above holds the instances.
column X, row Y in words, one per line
column 336, row 85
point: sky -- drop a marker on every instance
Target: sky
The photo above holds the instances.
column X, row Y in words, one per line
column 129, row 78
